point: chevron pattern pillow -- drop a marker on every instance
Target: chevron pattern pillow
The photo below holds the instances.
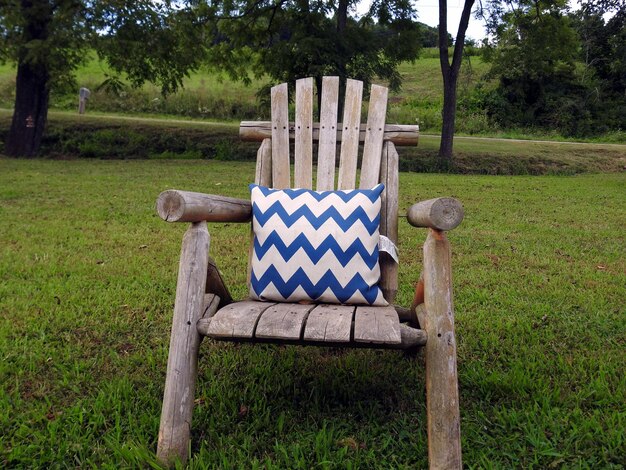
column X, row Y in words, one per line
column 316, row 245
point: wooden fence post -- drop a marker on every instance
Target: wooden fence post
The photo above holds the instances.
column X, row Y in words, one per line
column 83, row 96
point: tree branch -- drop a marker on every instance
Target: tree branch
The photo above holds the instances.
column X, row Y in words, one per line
column 443, row 36
column 460, row 35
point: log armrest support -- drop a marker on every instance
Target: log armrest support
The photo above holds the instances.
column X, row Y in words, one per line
column 442, row 213
column 185, row 206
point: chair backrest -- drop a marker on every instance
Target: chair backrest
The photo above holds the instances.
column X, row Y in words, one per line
column 379, row 158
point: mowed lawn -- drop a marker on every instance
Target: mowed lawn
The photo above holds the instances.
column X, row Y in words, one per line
column 87, row 282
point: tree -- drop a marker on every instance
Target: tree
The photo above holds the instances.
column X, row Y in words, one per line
column 48, row 39
column 535, row 57
column 450, row 73
column 429, row 35
column 289, row 39
column 603, row 53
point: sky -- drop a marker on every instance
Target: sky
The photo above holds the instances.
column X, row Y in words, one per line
column 428, row 12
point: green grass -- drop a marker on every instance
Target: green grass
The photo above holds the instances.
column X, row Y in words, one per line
column 87, row 281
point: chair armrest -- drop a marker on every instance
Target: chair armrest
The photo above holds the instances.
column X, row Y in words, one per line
column 442, row 213
column 185, row 206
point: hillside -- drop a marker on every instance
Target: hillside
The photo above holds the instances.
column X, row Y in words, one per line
column 209, row 95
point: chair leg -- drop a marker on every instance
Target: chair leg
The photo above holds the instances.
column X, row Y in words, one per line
column 182, row 363
column 442, row 395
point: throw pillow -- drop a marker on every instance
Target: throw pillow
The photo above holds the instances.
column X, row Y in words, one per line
column 316, row 245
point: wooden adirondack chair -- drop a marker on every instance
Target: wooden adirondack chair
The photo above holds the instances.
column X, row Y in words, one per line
column 204, row 306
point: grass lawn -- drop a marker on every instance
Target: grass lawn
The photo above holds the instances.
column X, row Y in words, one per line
column 87, row 282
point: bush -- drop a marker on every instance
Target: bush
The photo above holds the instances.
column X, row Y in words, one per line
column 189, row 102
column 109, row 139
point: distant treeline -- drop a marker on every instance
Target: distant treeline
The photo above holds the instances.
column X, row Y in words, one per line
column 556, row 70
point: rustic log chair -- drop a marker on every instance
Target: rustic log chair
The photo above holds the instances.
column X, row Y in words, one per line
column 204, row 307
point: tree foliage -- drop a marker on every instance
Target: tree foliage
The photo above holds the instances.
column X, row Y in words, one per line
column 536, row 55
column 603, row 53
column 48, row 39
column 292, row 39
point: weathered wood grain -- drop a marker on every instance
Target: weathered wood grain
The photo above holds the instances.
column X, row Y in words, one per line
column 442, row 395
column 329, row 323
column 211, row 302
column 283, row 321
column 303, row 151
column 215, row 284
column 402, row 135
column 417, row 306
column 280, row 137
column 378, row 325
column 372, row 149
column 182, row 363
column 237, row 320
column 412, row 337
column 263, row 175
column 186, row 206
column 327, row 130
column 350, row 135
column 389, row 220
column 442, row 213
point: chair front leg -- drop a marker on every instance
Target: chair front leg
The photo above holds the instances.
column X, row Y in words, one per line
column 182, row 363
column 442, row 394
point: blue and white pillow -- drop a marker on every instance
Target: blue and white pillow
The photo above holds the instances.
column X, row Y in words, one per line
column 316, row 245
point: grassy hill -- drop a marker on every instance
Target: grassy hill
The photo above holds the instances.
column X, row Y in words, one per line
column 209, row 95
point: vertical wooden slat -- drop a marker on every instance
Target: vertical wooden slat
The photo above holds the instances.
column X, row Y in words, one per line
column 370, row 168
column 442, row 394
column 389, row 220
column 303, row 152
column 182, row 362
column 350, row 135
column 263, row 175
column 327, row 147
column 280, row 137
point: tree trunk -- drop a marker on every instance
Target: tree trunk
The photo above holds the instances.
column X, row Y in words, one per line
column 449, row 116
column 342, row 62
column 31, row 111
column 32, row 84
column 450, row 73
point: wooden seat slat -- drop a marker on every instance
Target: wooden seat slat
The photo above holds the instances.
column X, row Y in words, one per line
column 283, row 321
column 350, row 138
column 280, row 137
column 372, row 149
column 237, row 320
column 378, row 325
column 329, row 324
column 327, row 148
column 303, row 148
